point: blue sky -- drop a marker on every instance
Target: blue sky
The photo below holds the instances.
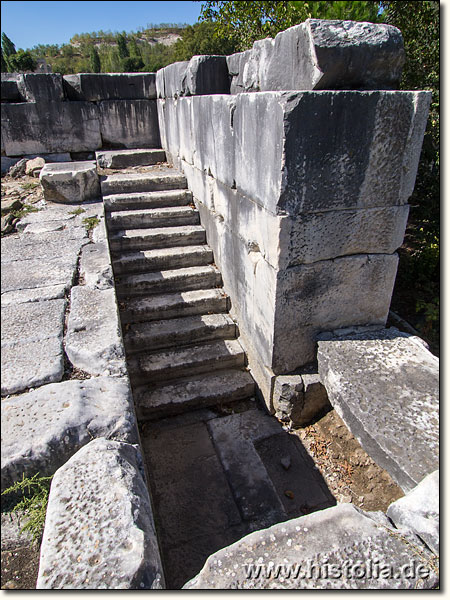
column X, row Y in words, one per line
column 31, row 23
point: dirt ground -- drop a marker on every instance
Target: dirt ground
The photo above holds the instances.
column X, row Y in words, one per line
column 350, row 473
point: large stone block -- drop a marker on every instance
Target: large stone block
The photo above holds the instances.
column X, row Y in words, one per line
column 333, row 150
column 207, row 75
column 318, row 55
column 337, row 548
column 110, row 86
column 385, row 386
column 32, row 128
column 171, row 80
column 41, row 87
column 129, row 123
column 101, row 498
column 93, row 340
column 10, row 91
column 70, row 182
column 32, row 344
column 419, row 511
column 63, row 416
column 353, row 290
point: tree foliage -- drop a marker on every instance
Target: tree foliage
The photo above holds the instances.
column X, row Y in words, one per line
column 202, row 38
column 242, row 23
column 95, row 60
column 15, row 61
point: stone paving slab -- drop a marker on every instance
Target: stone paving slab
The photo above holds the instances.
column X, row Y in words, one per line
column 49, row 292
column 99, row 531
column 45, row 246
column 93, row 340
column 36, row 273
column 43, row 428
column 32, row 344
column 337, row 548
column 384, row 384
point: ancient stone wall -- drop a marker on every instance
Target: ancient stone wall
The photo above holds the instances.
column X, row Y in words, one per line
column 303, row 192
column 50, row 113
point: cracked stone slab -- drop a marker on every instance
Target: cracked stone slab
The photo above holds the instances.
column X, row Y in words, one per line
column 43, row 428
column 93, row 340
column 384, row 384
column 340, row 547
column 45, row 246
column 70, row 216
column 95, row 266
column 38, row 273
column 49, row 292
column 32, row 344
column 99, row 530
column 419, row 511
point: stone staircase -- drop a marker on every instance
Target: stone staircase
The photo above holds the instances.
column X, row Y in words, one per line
column 181, row 344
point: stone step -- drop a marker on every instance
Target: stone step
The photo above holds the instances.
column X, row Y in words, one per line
column 122, row 183
column 121, row 159
column 170, row 306
column 158, row 282
column 209, row 389
column 183, row 331
column 186, row 361
column 170, row 216
column 162, row 259
column 161, row 237
column 140, row 200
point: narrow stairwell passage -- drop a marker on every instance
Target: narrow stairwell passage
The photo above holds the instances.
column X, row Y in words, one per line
column 218, row 466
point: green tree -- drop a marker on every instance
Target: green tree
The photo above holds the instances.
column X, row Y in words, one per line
column 8, row 48
column 202, row 38
column 418, row 275
column 95, row 60
column 122, row 46
column 21, row 61
column 243, row 23
column 132, row 64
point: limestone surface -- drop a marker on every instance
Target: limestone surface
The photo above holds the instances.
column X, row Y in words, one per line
column 41, row 87
column 93, row 340
column 337, row 548
column 320, row 54
column 99, row 531
column 385, row 386
column 419, row 511
column 95, row 266
column 43, row 428
column 129, row 123
column 35, row 127
column 110, row 86
column 70, row 182
column 32, row 344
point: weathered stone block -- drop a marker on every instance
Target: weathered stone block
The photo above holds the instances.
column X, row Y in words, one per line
column 47, row 127
column 10, row 91
column 100, row 496
column 207, row 74
column 385, row 386
column 41, row 87
column 319, row 55
column 129, row 123
column 65, row 416
column 32, row 352
column 419, row 511
column 297, row 399
column 171, row 80
column 337, row 548
column 110, row 86
column 93, row 340
column 95, row 266
column 70, row 182
column 354, row 290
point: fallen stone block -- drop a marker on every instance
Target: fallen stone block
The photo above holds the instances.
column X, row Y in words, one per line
column 41, row 87
column 120, row 159
column 110, row 86
column 419, row 511
column 70, row 182
column 129, row 123
column 34, row 167
column 7, row 163
column 319, row 55
column 32, row 352
column 101, row 498
column 95, row 266
column 43, row 428
column 340, row 547
column 50, row 127
column 93, row 341
column 297, row 399
column 384, row 384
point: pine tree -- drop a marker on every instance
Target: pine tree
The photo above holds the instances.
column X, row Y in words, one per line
column 94, row 60
column 122, row 46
